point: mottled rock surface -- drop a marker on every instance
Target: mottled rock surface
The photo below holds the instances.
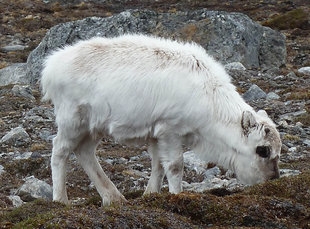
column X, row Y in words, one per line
column 230, row 37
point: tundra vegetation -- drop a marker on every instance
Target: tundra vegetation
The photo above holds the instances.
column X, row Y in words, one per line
column 282, row 203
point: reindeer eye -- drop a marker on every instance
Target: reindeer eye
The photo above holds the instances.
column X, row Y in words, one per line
column 263, row 151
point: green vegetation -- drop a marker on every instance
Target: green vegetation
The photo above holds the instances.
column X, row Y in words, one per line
column 297, row 18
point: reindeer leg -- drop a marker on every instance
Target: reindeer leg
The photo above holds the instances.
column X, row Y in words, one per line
column 85, row 153
column 171, row 157
column 158, row 173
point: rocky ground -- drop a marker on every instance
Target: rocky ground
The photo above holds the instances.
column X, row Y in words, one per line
column 213, row 198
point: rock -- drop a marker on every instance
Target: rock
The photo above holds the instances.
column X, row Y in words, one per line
column 46, row 135
column 291, row 75
column 40, row 114
column 292, row 115
column 254, row 93
column 13, row 74
column 272, row 96
column 21, row 156
column 36, row 189
column 13, row 48
column 23, row 91
column 16, row 137
column 289, row 172
column 235, row 66
column 215, row 171
column 229, row 37
column 213, row 183
column 16, row 201
column 306, row 142
column 304, row 70
column 192, row 162
column 1, row 169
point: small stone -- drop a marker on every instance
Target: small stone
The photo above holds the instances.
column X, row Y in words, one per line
column 304, row 70
column 292, row 149
column 215, row 171
column 23, row 156
column 36, row 189
column 273, row 70
column 23, row 91
column 291, row 75
column 16, row 201
column 289, row 172
column 109, row 161
column 283, row 123
column 306, row 142
column 235, row 66
column 280, row 77
column 254, row 93
column 292, row 115
column 1, row 169
column 16, row 137
column 272, row 96
column 192, row 162
column 13, row 48
column 122, row 160
column 35, row 155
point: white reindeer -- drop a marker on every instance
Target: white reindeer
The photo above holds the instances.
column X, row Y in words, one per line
column 140, row 89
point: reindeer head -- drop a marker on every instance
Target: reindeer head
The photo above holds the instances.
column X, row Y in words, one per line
column 258, row 160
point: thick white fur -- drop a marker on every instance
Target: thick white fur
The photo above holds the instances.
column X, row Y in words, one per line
column 141, row 89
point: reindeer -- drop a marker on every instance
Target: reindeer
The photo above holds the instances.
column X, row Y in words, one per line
column 146, row 90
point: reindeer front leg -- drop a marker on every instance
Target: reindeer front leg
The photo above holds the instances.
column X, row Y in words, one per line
column 171, row 157
column 158, row 173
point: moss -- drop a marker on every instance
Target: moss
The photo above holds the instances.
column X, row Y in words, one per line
column 95, row 200
column 295, row 188
column 297, row 18
column 30, row 210
column 290, row 137
column 37, row 146
column 304, row 119
column 133, row 194
column 300, row 95
column 39, row 221
column 27, row 167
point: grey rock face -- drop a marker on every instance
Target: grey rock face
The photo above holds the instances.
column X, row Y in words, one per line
column 229, row 37
column 16, row 137
column 15, row 73
column 36, row 189
column 253, row 93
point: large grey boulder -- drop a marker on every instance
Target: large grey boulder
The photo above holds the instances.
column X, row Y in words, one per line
column 229, row 37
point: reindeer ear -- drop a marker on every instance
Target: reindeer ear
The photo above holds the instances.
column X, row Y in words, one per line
column 262, row 113
column 247, row 121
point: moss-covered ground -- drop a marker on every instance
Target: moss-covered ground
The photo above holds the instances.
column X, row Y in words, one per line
column 283, row 203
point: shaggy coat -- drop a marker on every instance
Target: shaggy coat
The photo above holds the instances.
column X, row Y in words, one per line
column 147, row 90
